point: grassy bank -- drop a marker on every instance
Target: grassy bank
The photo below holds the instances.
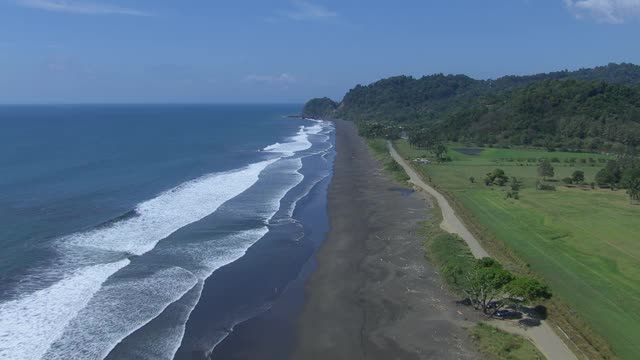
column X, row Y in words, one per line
column 496, row 344
column 580, row 240
column 381, row 152
column 446, row 251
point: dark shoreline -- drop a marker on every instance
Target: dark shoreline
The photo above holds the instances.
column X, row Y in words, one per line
column 367, row 292
column 373, row 295
column 271, row 335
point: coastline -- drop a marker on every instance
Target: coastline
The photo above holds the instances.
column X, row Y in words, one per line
column 373, row 295
column 271, row 335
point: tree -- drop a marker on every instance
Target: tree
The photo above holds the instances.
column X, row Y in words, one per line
column 497, row 177
column 577, row 177
column 605, row 177
column 545, row 169
column 439, row 150
column 486, row 282
column 524, row 291
column 610, row 174
column 472, row 179
column 631, row 181
column 515, row 184
column 374, row 130
column 558, row 110
column 422, row 139
column 528, row 290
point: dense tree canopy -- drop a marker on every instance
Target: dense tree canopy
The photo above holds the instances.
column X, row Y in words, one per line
column 545, row 169
column 631, row 181
column 587, row 109
column 321, row 108
column 568, row 114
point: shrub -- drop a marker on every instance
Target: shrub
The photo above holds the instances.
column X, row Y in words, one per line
column 515, row 184
column 578, row 176
column 567, row 180
column 545, row 187
column 497, row 177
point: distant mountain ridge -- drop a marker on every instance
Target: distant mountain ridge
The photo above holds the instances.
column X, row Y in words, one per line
column 603, row 99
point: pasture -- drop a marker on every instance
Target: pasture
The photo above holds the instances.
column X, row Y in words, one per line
column 584, row 242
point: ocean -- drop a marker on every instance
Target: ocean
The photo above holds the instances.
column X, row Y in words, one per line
column 152, row 231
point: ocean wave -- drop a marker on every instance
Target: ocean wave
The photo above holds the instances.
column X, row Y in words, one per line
column 161, row 216
column 298, row 142
column 133, row 235
column 283, row 176
column 117, row 310
column 83, row 315
column 29, row 325
column 160, row 342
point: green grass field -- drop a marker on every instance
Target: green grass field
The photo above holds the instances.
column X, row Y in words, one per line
column 585, row 243
column 496, row 344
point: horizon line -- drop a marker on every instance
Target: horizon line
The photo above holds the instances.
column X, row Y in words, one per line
column 144, row 103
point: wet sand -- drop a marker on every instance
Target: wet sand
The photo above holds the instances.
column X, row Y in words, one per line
column 373, row 294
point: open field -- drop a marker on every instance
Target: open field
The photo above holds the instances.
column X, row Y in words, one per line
column 583, row 242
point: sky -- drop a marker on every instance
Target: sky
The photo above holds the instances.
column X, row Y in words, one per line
column 287, row 51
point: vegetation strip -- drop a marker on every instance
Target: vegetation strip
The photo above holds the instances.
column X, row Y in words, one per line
column 500, row 345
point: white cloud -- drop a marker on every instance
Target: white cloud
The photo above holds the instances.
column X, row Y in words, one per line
column 283, row 79
column 81, row 7
column 606, row 11
column 304, row 10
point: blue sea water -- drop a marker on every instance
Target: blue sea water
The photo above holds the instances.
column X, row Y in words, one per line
column 118, row 223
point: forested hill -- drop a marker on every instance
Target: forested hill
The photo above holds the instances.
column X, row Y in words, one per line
column 557, row 114
column 531, row 110
column 320, row 108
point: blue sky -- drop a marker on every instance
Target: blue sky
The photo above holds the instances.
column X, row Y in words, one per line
column 218, row 51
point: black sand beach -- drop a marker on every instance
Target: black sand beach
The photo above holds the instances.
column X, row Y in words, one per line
column 373, row 296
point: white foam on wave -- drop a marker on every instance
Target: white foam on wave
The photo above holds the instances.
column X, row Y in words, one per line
column 29, row 325
column 35, row 320
column 109, row 312
column 206, row 257
column 299, row 142
column 214, row 254
column 79, row 318
column 161, row 216
column 306, row 191
column 117, row 310
column 163, row 342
